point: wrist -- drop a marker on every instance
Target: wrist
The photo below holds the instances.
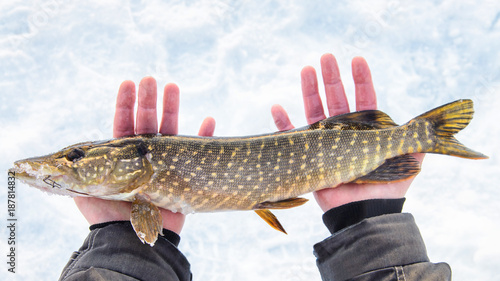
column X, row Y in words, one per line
column 346, row 193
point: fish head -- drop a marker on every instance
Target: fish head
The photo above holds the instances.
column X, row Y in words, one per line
column 109, row 170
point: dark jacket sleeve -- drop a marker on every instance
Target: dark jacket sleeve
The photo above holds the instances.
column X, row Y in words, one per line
column 379, row 247
column 112, row 251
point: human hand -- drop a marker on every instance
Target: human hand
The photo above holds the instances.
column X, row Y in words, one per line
column 337, row 104
column 97, row 210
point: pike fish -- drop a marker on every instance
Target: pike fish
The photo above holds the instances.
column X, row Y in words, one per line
column 204, row 174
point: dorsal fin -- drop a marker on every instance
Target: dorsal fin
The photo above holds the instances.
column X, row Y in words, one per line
column 361, row 120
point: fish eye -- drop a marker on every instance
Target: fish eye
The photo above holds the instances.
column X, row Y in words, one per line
column 75, row 154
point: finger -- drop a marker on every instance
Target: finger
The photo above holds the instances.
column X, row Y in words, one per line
column 365, row 93
column 207, row 127
column 281, row 118
column 170, row 116
column 147, row 122
column 336, row 99
column 310, row 93
column 123, row 124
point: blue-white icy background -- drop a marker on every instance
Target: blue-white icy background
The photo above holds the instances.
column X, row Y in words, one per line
column 62, row 62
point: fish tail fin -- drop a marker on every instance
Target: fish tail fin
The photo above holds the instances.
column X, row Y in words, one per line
column 446, row 121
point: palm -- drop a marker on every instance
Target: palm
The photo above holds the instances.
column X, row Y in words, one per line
column 337, row 104
column 98, row 210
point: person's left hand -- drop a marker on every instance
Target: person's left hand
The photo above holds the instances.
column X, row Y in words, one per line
column 337, row 104
column 97, row 210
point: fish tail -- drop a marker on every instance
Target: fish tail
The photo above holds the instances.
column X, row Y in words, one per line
column 446, row 121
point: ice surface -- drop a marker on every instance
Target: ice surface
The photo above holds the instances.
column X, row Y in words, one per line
column 62, row 62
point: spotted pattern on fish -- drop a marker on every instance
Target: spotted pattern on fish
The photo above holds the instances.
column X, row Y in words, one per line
column 202, row 174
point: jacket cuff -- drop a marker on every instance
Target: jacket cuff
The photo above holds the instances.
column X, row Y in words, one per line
column 113, row 250
column 374, row 243
column 352, row 213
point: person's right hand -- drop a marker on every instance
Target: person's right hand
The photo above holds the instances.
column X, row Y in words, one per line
column 337, row 104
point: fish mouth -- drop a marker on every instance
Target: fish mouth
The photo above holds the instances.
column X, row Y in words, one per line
column 26, row 170
column 43, row 177
column 22, row 171
column 18, row 174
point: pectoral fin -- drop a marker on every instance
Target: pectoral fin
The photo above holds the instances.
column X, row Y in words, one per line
column 146, row 220
column 395, row 169
column 271, row 219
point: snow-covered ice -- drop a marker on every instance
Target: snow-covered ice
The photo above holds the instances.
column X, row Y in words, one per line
column 61, row 63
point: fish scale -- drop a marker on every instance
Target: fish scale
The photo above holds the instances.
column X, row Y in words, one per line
column 205, row 174
column 271, row 168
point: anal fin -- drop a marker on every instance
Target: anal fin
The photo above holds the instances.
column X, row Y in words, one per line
column 262, row 209
column 283, row 204
column 395, row 169
column 146, row 220
column 271, row 219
